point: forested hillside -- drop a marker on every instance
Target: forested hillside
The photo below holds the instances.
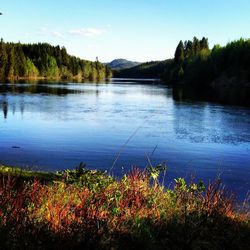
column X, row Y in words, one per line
column 43, row 60
column 185, row 55
column 195, row 64
column 152, row 69
column 119, row 64
column 223, row 73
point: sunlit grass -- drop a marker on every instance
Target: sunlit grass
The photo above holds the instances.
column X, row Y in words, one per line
column 83, row 208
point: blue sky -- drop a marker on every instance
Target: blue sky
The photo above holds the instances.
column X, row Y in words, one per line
column 140, row 30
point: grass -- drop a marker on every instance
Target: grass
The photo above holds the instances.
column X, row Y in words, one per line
column 27, row 174
column 92, row 210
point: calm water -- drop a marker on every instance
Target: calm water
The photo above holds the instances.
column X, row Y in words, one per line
column 54, row 126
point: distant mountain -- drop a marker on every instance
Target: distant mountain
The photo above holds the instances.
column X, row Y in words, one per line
column 153, row 69
column 119, row 64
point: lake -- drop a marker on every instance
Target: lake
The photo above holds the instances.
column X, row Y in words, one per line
column 54, row 126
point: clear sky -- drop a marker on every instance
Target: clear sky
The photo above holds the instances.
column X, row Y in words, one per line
column 139, row 30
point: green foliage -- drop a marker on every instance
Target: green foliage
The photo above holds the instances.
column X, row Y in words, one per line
column 3, row 59
column 31, row 70
column 43, row 60
column 179, row 54
column 221, row 74
column 80, row 176
column 172, row 70
column 26, row 174
column 201, row 66
column 189, row 61
column 11, row 62
column 154, row 172
column 180, row 184
column 50, row 67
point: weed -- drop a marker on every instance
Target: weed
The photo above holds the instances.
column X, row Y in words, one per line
column 83, row 208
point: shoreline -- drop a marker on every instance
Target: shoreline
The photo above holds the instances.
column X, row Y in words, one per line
column 42, row 78
column 89, row 209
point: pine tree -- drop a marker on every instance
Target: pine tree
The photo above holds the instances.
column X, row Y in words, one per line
column 3, row 59
column 179, row 53
column 204, row 43
column 11, row 62
column 196, row 45
column 188, row 49
column 42, row 59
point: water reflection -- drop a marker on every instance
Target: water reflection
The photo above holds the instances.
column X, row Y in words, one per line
column 5, row 109
column 222, row 95
column 190, row 122
column 24, row 96
column 57, row 125
column 37, row 89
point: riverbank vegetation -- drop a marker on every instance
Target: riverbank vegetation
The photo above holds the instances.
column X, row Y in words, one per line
column 43, row 61
column 195, row 64
column 90, row 209
column 222, row 72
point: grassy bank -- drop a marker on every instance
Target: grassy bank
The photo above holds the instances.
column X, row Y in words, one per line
column 92, row 210
column 77, row 78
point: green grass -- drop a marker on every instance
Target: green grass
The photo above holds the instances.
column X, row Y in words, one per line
column 27, row 174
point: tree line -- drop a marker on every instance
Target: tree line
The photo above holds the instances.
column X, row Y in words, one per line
column 153, row 69
column 195, row 64
column 218, row 74
column 170, row 68
column 43, row 60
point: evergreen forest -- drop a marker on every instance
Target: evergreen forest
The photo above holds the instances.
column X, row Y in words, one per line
column 218, row 74
column 42, row 60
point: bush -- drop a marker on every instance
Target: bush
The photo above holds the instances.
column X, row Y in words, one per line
column 83, row 208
